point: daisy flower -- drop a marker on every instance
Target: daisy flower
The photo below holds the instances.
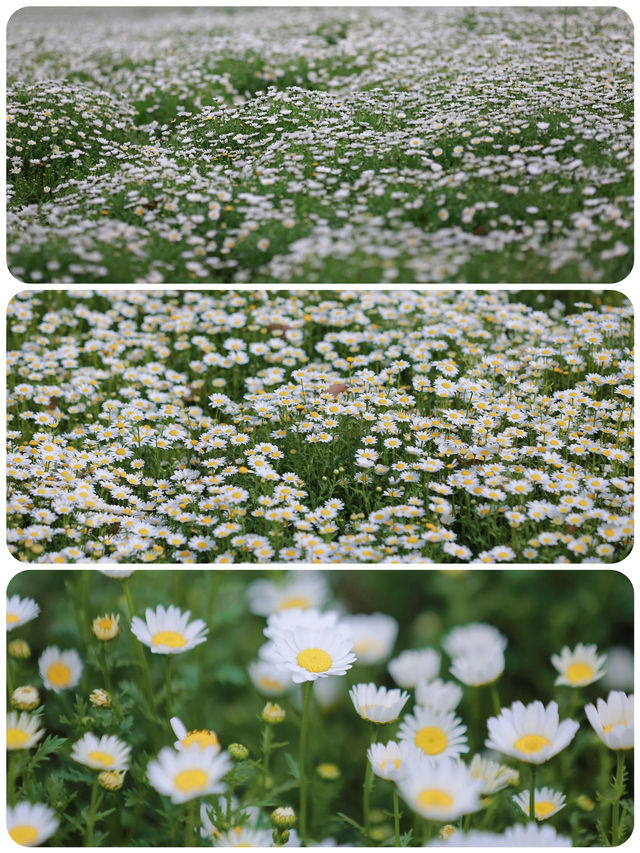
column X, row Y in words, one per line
column 31, row 824
column 118, row 574
column 201, row 737
column 105, row 753
column 547, row 802
column 168, row 631
column 297, row 617
column 612, row 719
column 268, row 678
column 533, row 835
column 187, row 773
column 299, row 589
column 244, row 836
column 441, row 791
column 378, row 704
column 579, row 667
column 20, row 611
column 470, row 639
column 310, row 654
column 414, row 665
column 60, row 670
column 373, row 636
column 480, row 667
column 387, row 759
column 23, row 730
column 532, row 733
column 437, row 734
column 492, row 776
column 438, row 695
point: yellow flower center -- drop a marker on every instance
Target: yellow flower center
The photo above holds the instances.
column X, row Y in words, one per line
column 435, row 797
column 314, row 660
column 396, row 763
column 25, row 835
column 531, row 743
column 191, row 780
column 101, row 758
column 16, row 738
column 301, row 601
column 11, row 618
column 172, row 639
column 431, row 740
column 544, row 808
column 607, row 729
column 579, row 672
column 270, row 684
column 201, row 737
column 59, row 674
column 367, row 646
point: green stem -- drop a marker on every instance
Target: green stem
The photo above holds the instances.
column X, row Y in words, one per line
column 495, row 696
column 104, row 666
column 307, row 692
column 142, row 660
column 396, row 817
column 14, row 760
column 189, row 834
column 532, row 794
column 93, row 809
column 368, row 785
column 619, row 792
column 168, row 672
column 10, row 682
column 268, row 735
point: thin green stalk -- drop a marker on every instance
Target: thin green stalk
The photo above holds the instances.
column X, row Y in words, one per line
column 266, row 755
column 142, row 659
column 10, row 682
column 307, row 693
column 396, row 817
column 532, row 794
column 368, row 784
column 495, row 696
column 619, row 792
column 189, row 833
column 104, row 666
column 168, row 673
column 93, row 810
column 14, row 760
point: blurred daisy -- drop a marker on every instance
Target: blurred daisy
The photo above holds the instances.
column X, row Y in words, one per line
column 23, row 730
column 187, row 773
column 105, row 753
column 244, row 836
column 476, row 669
column 612, row 719
column 547, row 802
column 579, row 667
column 387, row 759
column 60, row 670
column 168, row 631
column 378, row 704
column 31, row 824
column 492, row 775
column 298, row 617
column 437, row 734
column 472, row 638
column 309, row 654
column 533, row 835
column 438, row 694
column 619, row 674
column 199, row 737
column 268, row 678
column 373, row 636
column 414, row 665
column 298, row 589
column 441, row 791
column 119, row 574
column 532, row 733
column 20, row 611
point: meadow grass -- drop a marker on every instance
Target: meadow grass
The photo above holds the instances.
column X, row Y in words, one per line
column 371, row 145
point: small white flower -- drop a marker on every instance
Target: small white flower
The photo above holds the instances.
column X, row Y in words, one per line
column 187, row 773
column 168, row 631
column 378, row 704
column 23, row 730
column 105, row 753
column 373, row 635
column 202, row 738
column 442, row 791
column 388, row 759
column 532, row 733
column 20, row 611
column 547, row 802
column 60, row 670
column 438, row 694
column 579, row 667
column 414, row 665
column 31, row 824
column 612, row 720
column 437, row 734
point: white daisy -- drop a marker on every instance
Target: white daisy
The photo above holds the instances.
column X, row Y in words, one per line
column 244, row 836
column 388, row 759
column 534, row 835
column 378, row 704
column 438, row 694
column 579, row 667
column 23, row 730
column 532, row 733
column 31, row 824
column 612, row 719
column 105, row 753
column 414, row 665
column 187, row 773
column 20, row 611
column 300, row 589
column 469, row 639
column 202, row 738
column 493, row 776
column 117, row 573
column 373, row 636
column 309, row 654
column 297, row 617
column 547, row 802
column 60, row 670
column 441, row 791
column 268, row 678
column 437, row 734
column 168, row 631
column 479, row 668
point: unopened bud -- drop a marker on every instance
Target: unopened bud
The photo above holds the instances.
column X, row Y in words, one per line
column 100, row 698
column 272, row 713
column 328, row 771
column 283, row 817
column 585, row 803
column 111, row 780
column 238, row 752
column 25, row 698
column 446, row 831
column 19, row 649
column 106, row 627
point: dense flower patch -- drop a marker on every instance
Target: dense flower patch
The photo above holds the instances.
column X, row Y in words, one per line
column 365, row 426
column 320, row 145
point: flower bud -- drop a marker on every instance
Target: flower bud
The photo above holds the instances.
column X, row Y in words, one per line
column 238, row 752
column 272, row 713
column 106, row 627
column 283, row 817
column 328, row 771
column 111, row 780
column 25, row 698
column 19, row 649
column 100, row 698
column 446, row 831
column 585, row 803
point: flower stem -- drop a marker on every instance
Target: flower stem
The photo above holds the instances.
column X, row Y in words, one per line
column 396, row 816
column 168, row 669
column 619, row 792
column 93, row 810
column 307, row 693
column 104, row 666
column 268, row 735
column 142, row 660
column 495, row 696
column 532, row 794
column 189, row 836
column 368, row 785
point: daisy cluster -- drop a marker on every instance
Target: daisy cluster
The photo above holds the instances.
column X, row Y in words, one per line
column 323, row 144
column 359, row 426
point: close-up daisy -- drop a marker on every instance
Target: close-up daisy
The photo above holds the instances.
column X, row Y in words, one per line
column 185, row 774
column 23, row 730
column 533, row 733
column 547, row 802
column 378, row 704
column 311, row 654
column 60, row 670
column 442, row 791
column 20, row 611
column 107, row 752
column 439, row 734
column 414, row 665
column 203, row 738
column 31, row 824
column 612, row 719
column 168, row 631
column 580, row 666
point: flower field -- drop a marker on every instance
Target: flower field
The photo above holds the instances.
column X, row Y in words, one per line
column 320, row 426
column 389, row 708
column 320, row 145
